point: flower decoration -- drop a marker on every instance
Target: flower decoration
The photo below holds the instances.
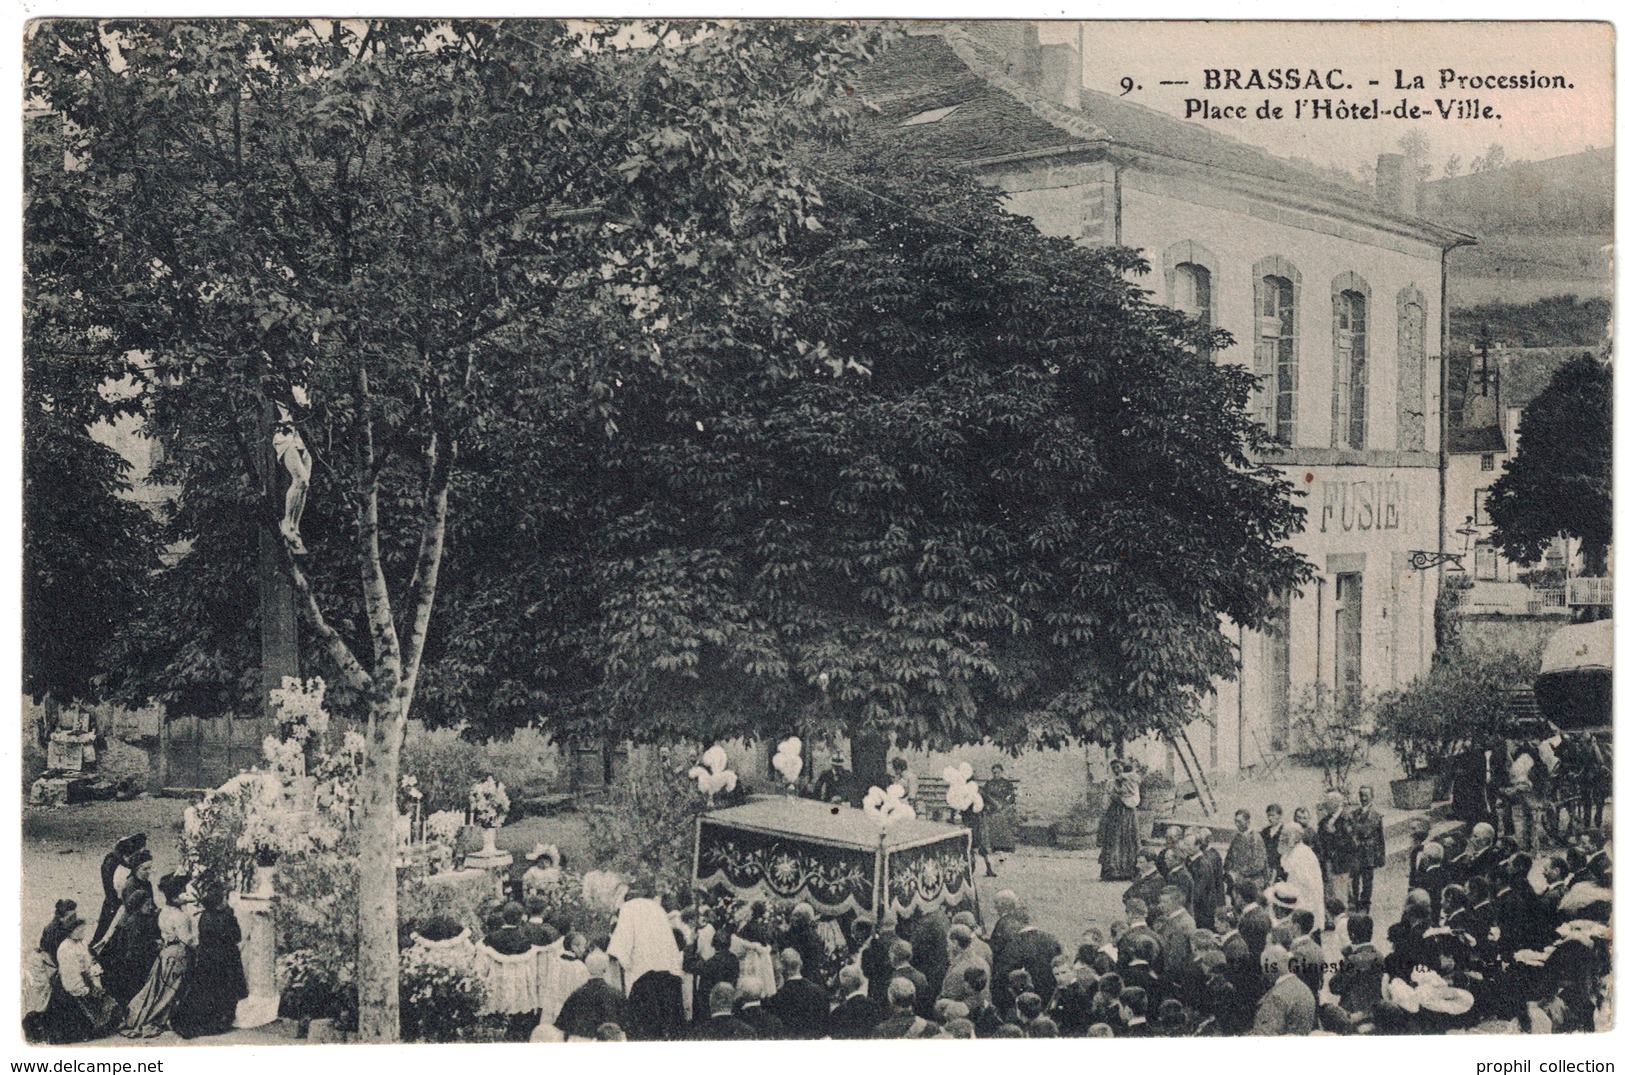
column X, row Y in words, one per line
column 963, row 794
column 887, row 807
column 285, row 756
column 787, row 762
column 488, row 803
column 713, row 774
column 300, row 706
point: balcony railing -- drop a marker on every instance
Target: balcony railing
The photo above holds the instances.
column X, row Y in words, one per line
column 1587, row 590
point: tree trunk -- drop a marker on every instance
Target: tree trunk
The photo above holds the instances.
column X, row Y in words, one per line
column 869, row 750
column 378, row 957
column 1593, row 558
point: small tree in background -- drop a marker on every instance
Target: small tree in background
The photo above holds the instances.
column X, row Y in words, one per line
column 1330, row 737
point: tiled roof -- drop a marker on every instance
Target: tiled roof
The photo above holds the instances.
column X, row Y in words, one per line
column 1479, row 440
column 997, row 117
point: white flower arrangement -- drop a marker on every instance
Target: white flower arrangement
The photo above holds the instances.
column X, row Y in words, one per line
column 299, row 704
column 285, row 756
column 488, row 803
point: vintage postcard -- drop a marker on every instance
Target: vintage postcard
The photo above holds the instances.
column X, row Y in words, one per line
column 547, row 531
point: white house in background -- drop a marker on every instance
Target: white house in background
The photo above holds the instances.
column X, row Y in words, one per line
column 1483, row 439
column 1334, row 297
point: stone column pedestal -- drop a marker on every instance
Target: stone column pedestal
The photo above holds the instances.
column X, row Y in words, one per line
column 257, row 920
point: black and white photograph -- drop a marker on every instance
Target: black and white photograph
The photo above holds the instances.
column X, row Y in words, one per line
column 590, row 530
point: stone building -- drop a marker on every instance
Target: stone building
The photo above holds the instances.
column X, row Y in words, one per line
column 1335, row 299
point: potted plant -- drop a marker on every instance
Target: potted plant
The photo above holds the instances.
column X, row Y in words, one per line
column 488, row 809
column 1156, row 795
column 1076, row 830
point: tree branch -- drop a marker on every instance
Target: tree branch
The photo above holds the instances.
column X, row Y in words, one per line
column 337, row 648
column 426, row 572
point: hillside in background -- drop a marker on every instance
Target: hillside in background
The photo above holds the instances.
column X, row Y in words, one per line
column 1560, row 321
column 1545, row 229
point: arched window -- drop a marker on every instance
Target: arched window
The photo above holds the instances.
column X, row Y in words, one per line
column 1275, row 345
column 1189, row 273
column 1411, row 395
column 1350, row 361
column 1193, row 292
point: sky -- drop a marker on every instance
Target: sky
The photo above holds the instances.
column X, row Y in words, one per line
column 1537, row 123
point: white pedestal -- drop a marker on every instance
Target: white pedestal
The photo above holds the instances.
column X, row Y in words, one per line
column 258, row 923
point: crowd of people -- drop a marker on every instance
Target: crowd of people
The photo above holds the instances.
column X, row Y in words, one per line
column 162, row 956
column 1272, row 936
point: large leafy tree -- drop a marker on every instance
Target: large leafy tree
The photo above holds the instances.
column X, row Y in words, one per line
column 88, row 548
column 400, row 215
column 1025, row 516
column 1561, row 480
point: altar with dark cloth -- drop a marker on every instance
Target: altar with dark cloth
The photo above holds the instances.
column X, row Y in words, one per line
column 835, row 858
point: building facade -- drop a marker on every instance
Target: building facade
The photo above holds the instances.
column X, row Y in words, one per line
column 1335, row 300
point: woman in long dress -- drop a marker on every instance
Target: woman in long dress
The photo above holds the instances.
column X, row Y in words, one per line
column 177, row 935
column 80, row 1008
column 1120, row 829
column 999, row 797
column 132, row 949
column 39, row 973
column 208, row 1000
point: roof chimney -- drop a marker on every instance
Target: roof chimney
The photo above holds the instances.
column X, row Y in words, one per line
column 1396, row 183
column 1058, row 78
column 1015, row 43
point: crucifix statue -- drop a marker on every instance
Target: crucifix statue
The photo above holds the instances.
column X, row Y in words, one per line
column 288, row 393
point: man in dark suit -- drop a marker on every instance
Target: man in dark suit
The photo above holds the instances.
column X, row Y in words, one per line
column 1034, row 951
column 1334, row 846
column 1179, row 875
column 802, row 1006
column 1271, row 835
column 1253, row 918
column 902, row 966
column 1176, row 926
column 1138, row 930
column 1244, row 859
column 1011, row 918
column 1370, row 849
column 749, row 1009
column 723, row 1025
column 857, row 1015
column 904, row 1021
column 802, row 935
column 594, row 1003
column 1207, row 869
column 1357, row 983
column 1148, row 885
column 1138, row 973
column 929, row 937
column 1420, row 830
